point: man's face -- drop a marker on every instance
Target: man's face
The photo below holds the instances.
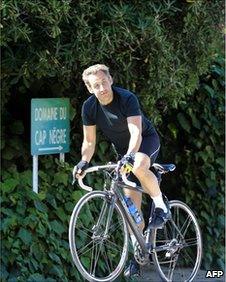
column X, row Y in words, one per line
column 100, row 86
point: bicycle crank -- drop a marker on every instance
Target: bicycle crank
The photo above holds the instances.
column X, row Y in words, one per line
column 139, row 256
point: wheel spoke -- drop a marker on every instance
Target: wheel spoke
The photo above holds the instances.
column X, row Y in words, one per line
column 113, row 246
column 92, row 258
column 178, row 223
column 188, row 256
column 82, row 231
column 189, row 219
column 114, row 227
column 107, row 259
column 81, row 252
column 98, row 254
column 190, row 242
column 171, row 268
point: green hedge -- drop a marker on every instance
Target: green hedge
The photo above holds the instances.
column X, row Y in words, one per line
column 159, row 49
column 34, row 227
column 156, row 48
column 195, row 136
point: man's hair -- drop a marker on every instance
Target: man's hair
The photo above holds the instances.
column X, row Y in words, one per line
column 93, row 70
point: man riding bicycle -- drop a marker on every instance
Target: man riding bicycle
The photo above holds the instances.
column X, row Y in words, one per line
column 116, row 112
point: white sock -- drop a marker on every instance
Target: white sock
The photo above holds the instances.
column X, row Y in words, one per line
column 158, row 201
column 133, row 239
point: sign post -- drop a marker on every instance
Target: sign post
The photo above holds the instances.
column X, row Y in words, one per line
column 50, row 130
column 35, row 174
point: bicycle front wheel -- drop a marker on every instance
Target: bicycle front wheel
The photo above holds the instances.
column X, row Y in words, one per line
column 178, row 246
column 99, row 253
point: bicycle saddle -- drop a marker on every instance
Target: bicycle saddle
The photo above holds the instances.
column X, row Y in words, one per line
column 164, row 168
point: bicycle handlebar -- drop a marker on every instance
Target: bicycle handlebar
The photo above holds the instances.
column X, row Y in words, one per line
column 160, row 168
column 98, row 168
column 128, row 182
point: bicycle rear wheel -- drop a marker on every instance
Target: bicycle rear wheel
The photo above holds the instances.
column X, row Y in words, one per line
column 99, row 256
column 178, row 246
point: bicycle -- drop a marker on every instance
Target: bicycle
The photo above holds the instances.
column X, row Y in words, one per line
column 98, row 232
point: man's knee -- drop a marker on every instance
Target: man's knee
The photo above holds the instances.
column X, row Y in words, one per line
column 139, row 170
column 141, row 165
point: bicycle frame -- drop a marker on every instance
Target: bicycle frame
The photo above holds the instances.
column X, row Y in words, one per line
column 132, row 225
column 117, row 198
column 143, row 242
column 171, row 240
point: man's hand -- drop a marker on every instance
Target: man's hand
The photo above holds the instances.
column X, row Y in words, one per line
column 126, row 163
column 80, row 168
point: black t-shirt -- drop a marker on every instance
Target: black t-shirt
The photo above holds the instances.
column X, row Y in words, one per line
column 111, row 119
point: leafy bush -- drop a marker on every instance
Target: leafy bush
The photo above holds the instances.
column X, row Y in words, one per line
column 159, row 49
column 195, row 136
column 34, row 227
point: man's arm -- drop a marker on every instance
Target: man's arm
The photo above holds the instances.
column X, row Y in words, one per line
column 135, row 129
column 89, row 142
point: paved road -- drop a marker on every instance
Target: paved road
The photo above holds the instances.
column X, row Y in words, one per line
column 148, row 274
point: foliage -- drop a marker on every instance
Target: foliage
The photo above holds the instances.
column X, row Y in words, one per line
column 159, row 49
column 195, row 135
column 34, row 226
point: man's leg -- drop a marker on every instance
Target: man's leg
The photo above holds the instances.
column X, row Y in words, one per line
column 148, row 181
column 133, row 269
column 146, row 177
column 150, row 184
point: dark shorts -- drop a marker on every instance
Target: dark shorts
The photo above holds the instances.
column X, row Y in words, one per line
column 150, row 146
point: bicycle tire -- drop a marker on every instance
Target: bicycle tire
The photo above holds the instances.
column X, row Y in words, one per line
column 182, row 260
column 84, row 229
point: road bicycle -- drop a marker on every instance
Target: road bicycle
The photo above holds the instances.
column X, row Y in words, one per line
column 98, row 232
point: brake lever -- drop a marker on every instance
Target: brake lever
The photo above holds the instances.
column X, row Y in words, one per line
column 124, row 177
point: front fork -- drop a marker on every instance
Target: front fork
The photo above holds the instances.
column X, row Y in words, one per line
column 107, row 207
column 111, row 199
